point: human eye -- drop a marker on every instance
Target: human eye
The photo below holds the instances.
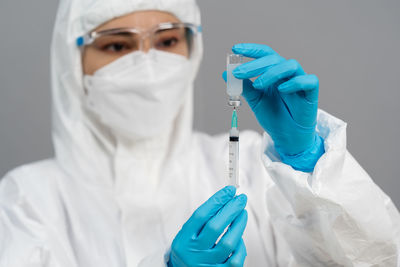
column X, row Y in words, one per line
column 167, row 42
column 168, row 39
column 117, row 47
column 115, row 44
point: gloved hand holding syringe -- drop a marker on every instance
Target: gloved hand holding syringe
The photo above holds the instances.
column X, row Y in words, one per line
column 234, row 90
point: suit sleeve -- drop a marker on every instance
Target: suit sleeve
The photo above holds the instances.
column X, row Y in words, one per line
column 336, row 215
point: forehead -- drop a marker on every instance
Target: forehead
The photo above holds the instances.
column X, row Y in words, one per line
column 139, row 19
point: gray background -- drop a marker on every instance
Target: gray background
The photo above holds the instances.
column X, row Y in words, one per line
column 352, row 45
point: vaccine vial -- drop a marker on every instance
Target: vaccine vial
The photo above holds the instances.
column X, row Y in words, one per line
column 234, row 85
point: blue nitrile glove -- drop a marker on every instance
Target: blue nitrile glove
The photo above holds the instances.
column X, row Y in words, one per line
column 284, row 100
column 195, row 244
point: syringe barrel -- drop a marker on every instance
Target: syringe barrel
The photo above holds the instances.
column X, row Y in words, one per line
column 234, row 161
column 234, row 86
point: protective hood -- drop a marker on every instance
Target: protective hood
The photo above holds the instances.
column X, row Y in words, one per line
column 82, row 146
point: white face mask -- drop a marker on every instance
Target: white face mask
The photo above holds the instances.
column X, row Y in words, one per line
column 139, row 95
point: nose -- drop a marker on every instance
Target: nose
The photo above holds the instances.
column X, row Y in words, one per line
column 146, row 45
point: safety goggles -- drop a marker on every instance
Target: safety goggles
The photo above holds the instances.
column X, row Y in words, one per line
column 177, row 38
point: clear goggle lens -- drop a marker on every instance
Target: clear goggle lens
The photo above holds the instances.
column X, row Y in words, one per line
column 177, row 39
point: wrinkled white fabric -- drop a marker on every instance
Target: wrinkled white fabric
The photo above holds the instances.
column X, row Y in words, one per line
column 124, row 93
column 110, row 201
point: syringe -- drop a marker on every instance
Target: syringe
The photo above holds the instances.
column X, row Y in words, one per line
column 234, row 151
column 234, row 89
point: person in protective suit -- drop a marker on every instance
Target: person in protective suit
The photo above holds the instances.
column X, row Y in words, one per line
column 132, row 184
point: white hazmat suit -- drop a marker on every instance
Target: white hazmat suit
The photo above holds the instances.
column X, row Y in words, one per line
column 109, row 201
